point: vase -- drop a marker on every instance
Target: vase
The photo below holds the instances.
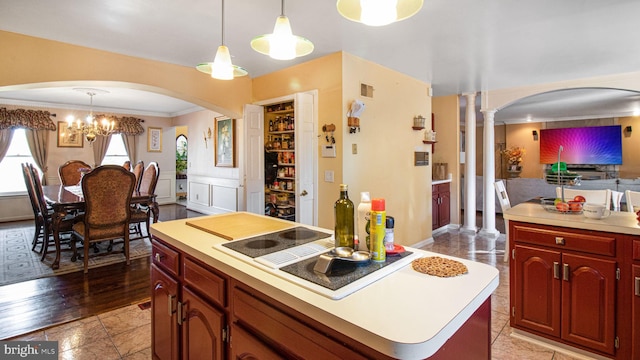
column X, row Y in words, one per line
column 514, row 171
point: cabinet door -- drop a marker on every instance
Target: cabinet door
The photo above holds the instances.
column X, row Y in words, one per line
column 635, row 313
column 444, row 212
column 435, row 215
column 588, row 306
column 164, row 324
column 202, row 328
column 536, row 289
column 246, row 347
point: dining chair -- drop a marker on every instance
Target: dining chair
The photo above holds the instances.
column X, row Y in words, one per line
column 107, row 192
column 138, row 170
column 38, row 217
column 127, row 165
column 505, row 204
column 633, row 199
column 46, row 213
column 602, row 197
column 142, row 213
column 70, row 172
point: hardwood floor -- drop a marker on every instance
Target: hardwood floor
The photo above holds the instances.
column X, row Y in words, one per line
column 41, row 303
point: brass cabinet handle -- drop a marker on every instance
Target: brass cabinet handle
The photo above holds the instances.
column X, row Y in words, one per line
column 637, row 290
column 180, row 312
column 565, row 272
column 158, row 257
column 559, row 240
column 304, row 193
column 556, row 270
column 171, row 297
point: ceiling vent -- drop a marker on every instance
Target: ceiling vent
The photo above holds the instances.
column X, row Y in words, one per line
column 366, row 90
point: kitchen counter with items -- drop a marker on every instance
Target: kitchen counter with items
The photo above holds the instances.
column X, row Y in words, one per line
column 392, row 311
column 575, row 281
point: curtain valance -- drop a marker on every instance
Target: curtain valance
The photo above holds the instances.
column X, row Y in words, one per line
column 127, row 125
column 29, row 119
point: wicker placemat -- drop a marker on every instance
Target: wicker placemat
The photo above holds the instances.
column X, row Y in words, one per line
column 438, row 266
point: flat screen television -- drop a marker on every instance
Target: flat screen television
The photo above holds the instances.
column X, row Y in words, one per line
column 596, row 145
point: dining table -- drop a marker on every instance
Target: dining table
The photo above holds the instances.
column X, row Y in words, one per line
column 69, row 199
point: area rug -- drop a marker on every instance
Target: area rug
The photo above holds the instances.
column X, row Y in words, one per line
column 19, row 263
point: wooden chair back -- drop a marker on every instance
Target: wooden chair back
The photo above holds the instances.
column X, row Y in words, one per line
column 69, row 172
column 28, row 182
column 127, row 165
column 107, row 192
column 150, row 178
column 138, row 170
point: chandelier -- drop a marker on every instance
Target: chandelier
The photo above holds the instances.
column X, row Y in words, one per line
column 90, row 127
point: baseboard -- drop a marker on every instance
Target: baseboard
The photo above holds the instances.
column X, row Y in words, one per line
column 556, row 346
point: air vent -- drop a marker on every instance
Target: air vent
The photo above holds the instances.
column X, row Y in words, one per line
column 366, row 90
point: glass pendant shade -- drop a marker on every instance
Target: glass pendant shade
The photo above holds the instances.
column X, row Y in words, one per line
column 222, row 69
column 378, row 12
column 282, row 44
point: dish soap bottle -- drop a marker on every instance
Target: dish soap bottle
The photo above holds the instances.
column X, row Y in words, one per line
column 344, row 213
column 364, row 213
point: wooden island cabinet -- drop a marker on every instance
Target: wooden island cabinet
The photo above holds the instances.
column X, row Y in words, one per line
column 207, row 304
column 576, row 281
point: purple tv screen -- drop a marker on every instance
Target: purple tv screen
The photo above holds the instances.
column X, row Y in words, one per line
column 597, row 145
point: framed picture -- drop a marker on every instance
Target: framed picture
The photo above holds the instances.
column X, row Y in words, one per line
column 75, row 140
column 154, row 139
column 225, row 142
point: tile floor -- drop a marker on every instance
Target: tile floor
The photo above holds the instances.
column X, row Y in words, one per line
column 125, row 333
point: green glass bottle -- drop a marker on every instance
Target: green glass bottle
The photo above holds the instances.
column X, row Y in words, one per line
column 344, row 216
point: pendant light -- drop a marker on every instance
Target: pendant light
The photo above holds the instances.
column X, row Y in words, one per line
column 282, row 44
column 378, row 12
column 221, row 68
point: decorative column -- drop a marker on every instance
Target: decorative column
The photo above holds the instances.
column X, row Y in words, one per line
column 469, row 225
column 489, row 176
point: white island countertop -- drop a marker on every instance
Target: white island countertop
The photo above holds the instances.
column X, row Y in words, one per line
column 418, row 313
column 622, row 222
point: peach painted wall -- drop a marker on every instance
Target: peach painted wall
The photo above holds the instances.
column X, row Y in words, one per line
column 32, row 62
column 325, row 76
column 446, row 110
column 384, row 163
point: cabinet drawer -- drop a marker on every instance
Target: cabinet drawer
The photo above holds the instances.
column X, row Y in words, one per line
column 208, row 284
column 166, row 258
column 636, row 249
column 283, row 332
column 593, row 243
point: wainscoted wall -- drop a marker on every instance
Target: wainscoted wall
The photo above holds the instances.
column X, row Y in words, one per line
column 213, row 195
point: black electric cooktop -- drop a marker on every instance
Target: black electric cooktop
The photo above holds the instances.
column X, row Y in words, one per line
column 342, row 272
column 276, row 241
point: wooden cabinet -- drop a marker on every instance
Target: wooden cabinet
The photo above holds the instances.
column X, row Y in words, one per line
column 564, row 285
column 440, row 205
column 635, row 300
column 188, row 318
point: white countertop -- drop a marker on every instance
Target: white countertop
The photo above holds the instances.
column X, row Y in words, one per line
column 422, row 311
column 618, row 222
column 436, row 182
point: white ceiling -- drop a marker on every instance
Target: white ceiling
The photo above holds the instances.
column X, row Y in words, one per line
column 456, row 45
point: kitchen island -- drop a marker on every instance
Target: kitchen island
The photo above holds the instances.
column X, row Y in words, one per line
column 575, row 281
column 403, row 315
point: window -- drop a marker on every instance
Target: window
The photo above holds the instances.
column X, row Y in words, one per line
column 17, row 154
column 116, row 153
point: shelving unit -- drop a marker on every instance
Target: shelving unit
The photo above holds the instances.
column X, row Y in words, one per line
column 280, row 130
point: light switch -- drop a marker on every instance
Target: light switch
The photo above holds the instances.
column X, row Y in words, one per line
column 328, row 176
column 354, row 148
